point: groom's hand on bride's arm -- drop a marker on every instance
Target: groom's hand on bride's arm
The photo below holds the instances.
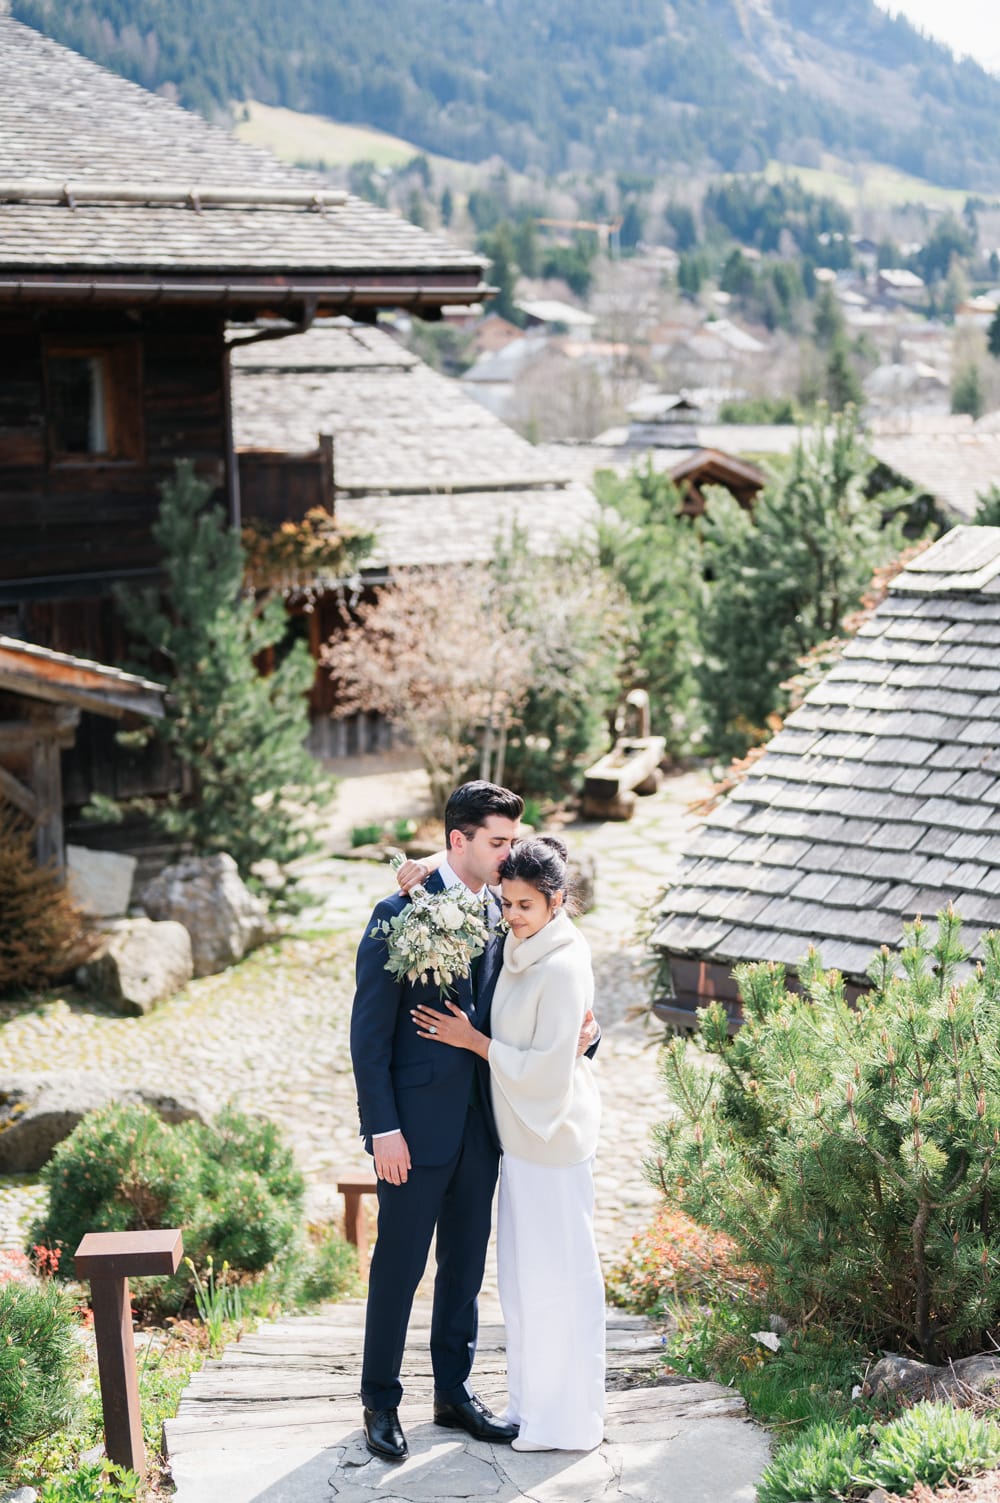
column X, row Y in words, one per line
column 392, row 1158
column 590, row 1035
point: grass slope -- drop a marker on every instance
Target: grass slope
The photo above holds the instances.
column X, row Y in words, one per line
column 297, row 136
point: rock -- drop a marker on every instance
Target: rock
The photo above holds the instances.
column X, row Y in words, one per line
column 38, row 1112
column 20, row 1495
column 958, row 1381
column 207, row 895
column 100, row 882
column 138, row 963
column 583, row 880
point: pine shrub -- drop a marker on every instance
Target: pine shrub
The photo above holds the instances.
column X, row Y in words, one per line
column 40, row 1359
column 231, row 1186
column 38, row 923
column 853, row 1152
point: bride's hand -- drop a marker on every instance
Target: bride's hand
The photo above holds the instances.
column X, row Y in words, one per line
column 455, row 1029
column 411, row 874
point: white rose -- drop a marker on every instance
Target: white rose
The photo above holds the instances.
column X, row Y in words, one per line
column 451, row 915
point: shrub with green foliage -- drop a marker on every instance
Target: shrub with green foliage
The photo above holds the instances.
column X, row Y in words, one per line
column 92, row 1482
column 40, row 1361
column 819, row 1463
column 329, row 1269
column 230, row 1185
column 851, row 1151
column 930, row 1443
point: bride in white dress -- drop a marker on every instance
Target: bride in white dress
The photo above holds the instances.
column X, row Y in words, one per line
column 547, row 1111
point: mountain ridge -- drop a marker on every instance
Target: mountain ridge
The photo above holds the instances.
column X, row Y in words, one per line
column 571, row 84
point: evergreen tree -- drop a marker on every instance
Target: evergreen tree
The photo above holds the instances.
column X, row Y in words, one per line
column 843, row 389
column 653, row 552
column 828, row 321
column 967, row 391
column 630, row 232
column 238, row 735
column 447, row 206
column 988, row 509
column 781, row 580
column 499, row 247
column 526, row 248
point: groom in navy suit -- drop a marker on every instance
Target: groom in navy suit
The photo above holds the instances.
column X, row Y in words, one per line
column 426, row 1117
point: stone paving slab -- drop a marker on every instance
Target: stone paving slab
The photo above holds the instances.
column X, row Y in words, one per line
column 277, row 1421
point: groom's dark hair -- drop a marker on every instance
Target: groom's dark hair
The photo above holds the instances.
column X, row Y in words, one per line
column 470, row 807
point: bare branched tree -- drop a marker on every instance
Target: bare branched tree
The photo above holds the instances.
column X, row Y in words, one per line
column 437, row 655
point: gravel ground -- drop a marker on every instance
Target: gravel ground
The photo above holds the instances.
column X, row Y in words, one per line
column 271, row 1034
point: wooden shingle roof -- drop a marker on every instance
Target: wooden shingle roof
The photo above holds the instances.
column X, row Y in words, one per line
column 880, row 798
column 38, row 673
column 66, row 121
column 432, row 472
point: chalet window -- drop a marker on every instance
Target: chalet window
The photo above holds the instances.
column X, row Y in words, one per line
column 94, row 403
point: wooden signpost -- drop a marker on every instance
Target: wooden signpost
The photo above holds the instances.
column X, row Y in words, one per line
column 108, row 1260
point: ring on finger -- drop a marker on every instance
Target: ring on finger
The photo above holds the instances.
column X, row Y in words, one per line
column 431, row 1028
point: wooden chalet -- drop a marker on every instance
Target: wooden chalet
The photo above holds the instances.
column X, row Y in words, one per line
column 404, row 454
column 692, row 468
column 879, row 799
column 138, row 244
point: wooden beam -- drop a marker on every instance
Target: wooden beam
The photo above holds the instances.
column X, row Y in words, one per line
column 109, row 700
column 46, row 776
column 18, row 794
column 21, row 735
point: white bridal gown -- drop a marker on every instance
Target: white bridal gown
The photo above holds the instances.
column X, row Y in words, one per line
column 552, row 1294
column 547, row 1111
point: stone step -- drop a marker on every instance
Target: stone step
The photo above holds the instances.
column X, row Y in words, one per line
column 276, row 1420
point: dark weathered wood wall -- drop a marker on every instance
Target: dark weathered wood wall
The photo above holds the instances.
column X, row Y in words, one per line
column 68, row 528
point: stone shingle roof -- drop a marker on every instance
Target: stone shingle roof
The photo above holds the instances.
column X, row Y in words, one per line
column 63, row 119
column 431, row 471
column 956, row 466
column 425, row 530
column 880, row 798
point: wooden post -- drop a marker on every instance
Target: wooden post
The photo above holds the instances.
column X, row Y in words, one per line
column 355, row 1226
column 107, row 1259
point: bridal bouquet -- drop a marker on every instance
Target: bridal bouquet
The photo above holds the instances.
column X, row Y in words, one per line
column 438, row 934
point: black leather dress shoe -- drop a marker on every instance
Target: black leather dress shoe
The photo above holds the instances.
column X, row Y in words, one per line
column 473, row 1417
column 384, row 1434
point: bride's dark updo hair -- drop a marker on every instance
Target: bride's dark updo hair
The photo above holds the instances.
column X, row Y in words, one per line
column 542, row 863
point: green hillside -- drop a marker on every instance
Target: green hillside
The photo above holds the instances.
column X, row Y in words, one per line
column 639, row 85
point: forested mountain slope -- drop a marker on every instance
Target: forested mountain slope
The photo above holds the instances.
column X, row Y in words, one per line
column 638, row 84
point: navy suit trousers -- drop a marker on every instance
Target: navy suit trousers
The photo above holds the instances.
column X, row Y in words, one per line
column 457, row 1198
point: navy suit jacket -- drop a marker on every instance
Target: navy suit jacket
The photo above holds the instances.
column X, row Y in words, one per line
column 418, row 1086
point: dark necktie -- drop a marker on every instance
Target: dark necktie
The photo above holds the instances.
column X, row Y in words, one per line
column 477, row 959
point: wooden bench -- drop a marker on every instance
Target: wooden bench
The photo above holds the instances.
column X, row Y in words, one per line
column 353, row 1188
